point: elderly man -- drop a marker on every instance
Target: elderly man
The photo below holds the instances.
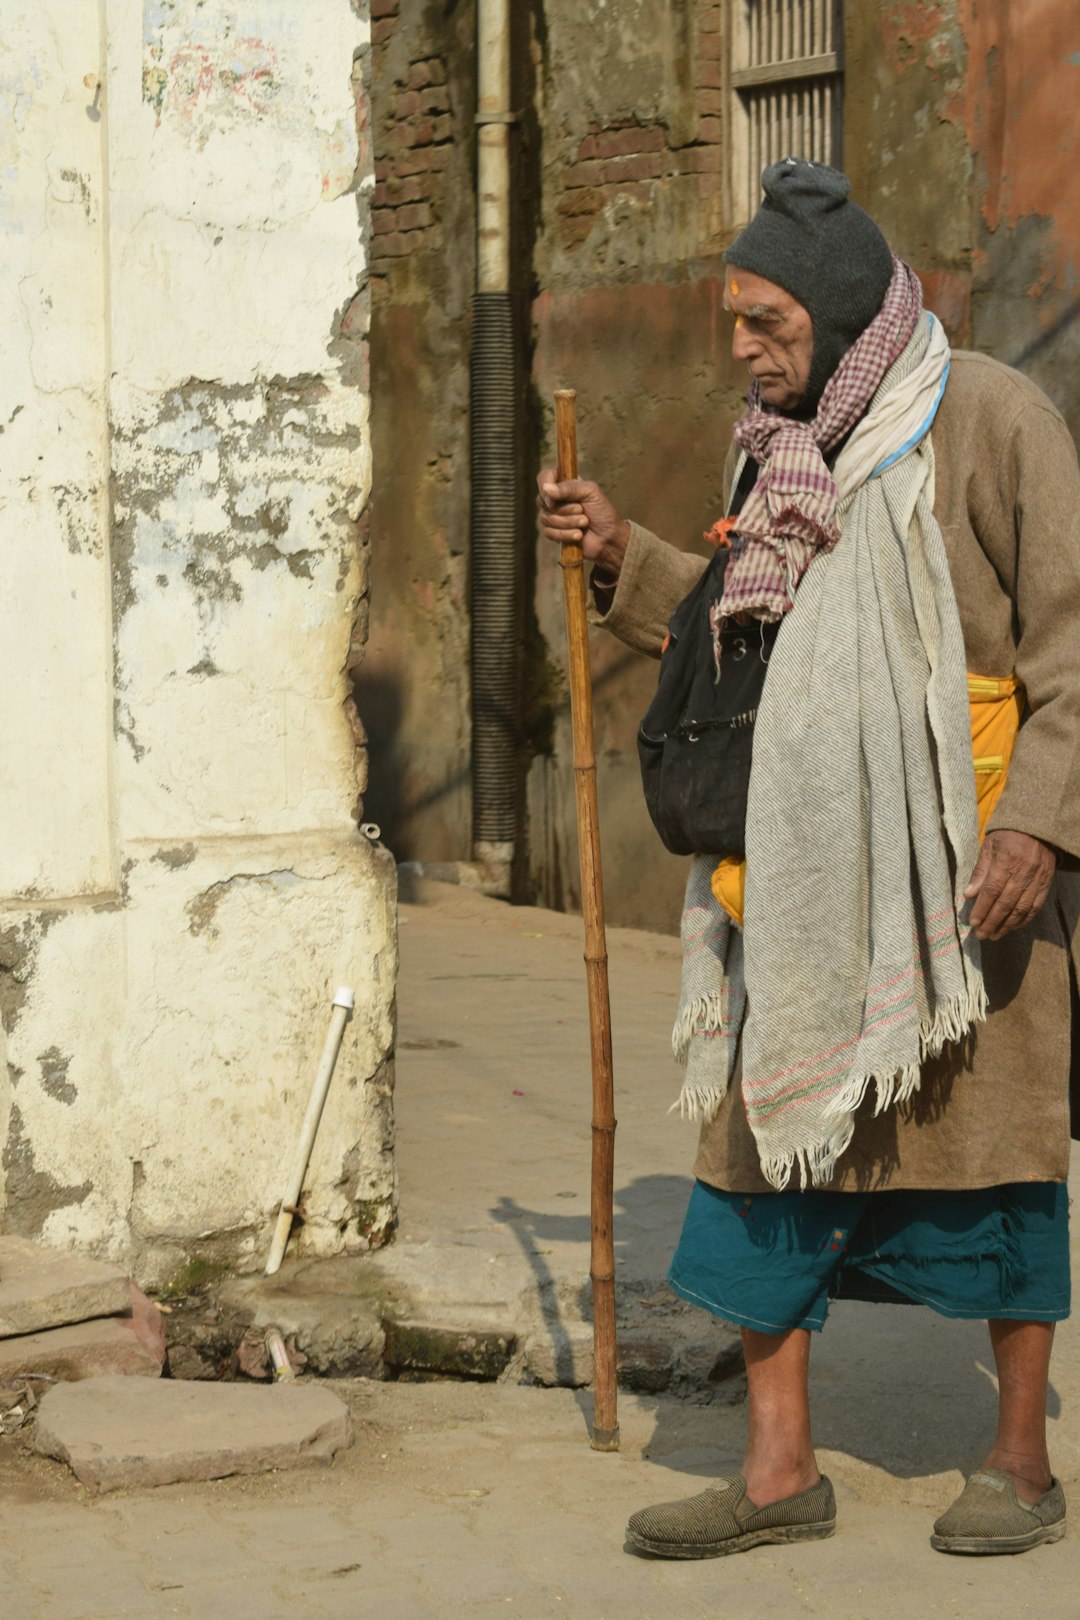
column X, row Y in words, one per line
column 876, row 988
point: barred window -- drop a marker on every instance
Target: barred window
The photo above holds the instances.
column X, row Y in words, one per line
column 786, row 89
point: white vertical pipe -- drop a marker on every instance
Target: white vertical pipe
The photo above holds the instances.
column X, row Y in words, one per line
column 493, row 143
column 343, row 1003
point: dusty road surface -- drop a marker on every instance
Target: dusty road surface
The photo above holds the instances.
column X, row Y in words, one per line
column 484, row 1499
column 472, row 1500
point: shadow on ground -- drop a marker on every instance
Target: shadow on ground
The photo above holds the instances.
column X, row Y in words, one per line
column 893, row 1386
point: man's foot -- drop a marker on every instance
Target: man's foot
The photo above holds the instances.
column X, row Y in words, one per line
column 724, row 1520
column 988, row 1517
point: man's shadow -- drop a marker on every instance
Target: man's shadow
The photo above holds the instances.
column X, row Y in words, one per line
column 895, row 1386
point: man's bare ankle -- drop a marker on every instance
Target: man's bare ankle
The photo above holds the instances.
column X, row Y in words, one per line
column 767, row 1485
column 1030, row 1474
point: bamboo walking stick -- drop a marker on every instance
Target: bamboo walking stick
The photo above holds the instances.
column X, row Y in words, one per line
column 605, row 1430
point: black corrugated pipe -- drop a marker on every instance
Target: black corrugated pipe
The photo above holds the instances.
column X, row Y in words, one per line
column 493, row 396
column 494, row 441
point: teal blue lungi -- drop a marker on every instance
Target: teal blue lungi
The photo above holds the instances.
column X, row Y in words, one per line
column 773, row 1261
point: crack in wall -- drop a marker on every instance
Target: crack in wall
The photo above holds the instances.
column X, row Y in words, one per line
column 202, row 908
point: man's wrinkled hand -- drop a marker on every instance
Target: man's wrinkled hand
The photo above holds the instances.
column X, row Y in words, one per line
column 578, row 509
column 1011, row 880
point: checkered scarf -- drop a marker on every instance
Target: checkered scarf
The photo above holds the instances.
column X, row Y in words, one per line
column 790, row 514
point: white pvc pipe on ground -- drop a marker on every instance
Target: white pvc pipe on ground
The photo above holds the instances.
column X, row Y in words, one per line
column 343, row 1004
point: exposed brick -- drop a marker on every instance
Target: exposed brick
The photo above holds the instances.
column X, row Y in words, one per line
column 430, row 71
column 583, row 174
column 383, row 167
column 395, row 246
column 710, row 129
column 414, row 217
column 643, row 166
column 709, row 47
column 583, row 200
column 438, row 156
column 710, row 102
column 414, row 162
column 406, row 102
column 709, row 76
column 637, row 191
column 574, row 230
column 383, row 30
column 419, row 134
column 622, row 142
column 443, row 128
column 435, row 99
column 388, row 193
column 383, row 8
column 709, row 19
column 700, row 160
column 382, row 220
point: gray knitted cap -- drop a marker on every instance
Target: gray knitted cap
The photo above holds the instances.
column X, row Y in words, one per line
column 812, row 240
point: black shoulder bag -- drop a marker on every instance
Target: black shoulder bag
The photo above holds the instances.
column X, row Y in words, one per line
column 696, row 742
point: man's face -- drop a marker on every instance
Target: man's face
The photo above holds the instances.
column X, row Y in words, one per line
column 773, row 335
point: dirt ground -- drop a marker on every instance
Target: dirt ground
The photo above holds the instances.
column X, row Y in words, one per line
column 465, row 1500
column 462, row 1500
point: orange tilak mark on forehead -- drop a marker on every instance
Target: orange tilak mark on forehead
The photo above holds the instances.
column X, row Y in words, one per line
column 735, row 286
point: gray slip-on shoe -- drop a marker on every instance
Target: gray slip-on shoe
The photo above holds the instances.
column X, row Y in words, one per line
column 988, row 1517
column 723, row 1520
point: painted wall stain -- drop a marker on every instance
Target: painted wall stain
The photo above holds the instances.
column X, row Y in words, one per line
column 54, row 1066
column 33, row 1194
column 175, row 856
column 912, row 33
column 19, row 946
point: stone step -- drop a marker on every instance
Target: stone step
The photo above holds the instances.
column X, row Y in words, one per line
column 44, row 1288
column 449, row 1352
column 129, row 1432
column 133, row 1344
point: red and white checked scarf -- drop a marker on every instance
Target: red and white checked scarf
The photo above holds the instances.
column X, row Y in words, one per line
column 790, row 514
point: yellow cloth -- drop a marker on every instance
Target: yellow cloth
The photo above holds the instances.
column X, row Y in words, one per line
column 996, row 706
column 729, row 886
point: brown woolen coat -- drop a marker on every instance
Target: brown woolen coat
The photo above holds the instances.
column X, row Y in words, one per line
column 1007, row 498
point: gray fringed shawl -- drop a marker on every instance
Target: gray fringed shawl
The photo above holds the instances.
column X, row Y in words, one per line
column 854, row 962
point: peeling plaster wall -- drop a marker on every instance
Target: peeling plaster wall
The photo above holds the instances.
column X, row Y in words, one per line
column 959, row 137
column 630, row 315
column 413, row 688
column 184, row 467
column 963, row 142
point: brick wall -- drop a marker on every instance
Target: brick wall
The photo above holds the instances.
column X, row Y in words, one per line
column 412, row 145
column 629, row 159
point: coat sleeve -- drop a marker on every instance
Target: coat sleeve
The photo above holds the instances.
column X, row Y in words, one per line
column 654, row 579
column 1038, row 472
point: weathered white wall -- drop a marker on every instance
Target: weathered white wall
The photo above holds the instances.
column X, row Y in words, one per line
column 183, row 460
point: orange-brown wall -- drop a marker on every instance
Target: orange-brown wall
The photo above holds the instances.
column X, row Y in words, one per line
column 960, row 138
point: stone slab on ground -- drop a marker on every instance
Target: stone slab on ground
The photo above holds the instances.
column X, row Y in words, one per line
column 131, row 1432
column 132, row 1345
column 47, row 1288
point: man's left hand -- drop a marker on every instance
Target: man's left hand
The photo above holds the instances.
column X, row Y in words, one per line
column 1010, row 882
